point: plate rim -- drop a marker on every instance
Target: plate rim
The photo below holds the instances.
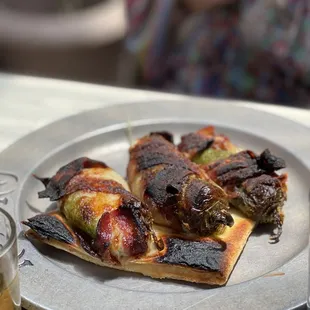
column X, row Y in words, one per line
column 22, row 176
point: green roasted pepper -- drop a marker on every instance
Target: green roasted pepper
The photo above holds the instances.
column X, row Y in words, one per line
column 210, row 155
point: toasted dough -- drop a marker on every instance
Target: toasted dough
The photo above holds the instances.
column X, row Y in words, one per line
column 208, row 260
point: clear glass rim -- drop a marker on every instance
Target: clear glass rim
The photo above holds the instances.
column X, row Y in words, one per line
column 8, row 245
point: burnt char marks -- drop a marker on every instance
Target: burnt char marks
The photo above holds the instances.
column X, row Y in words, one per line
column 86, row 242
column 237, row 176
column 261, row 194
column 156, row 150
column 142, row 219
column 205, row 138
column 250, row 185
column 196, row 197
column 269, row 162
column 203, row 255
column 168, row 177
column 45, row 181
column 56, row 186
column 166, row 185
column 242, row 166
column 49, row 227
column 149, row 160
column 237, row 161
column 208, row 206
column 253, row 186
column 194, row 143
column 166, row 134
column 197, row 194
column 140, row 215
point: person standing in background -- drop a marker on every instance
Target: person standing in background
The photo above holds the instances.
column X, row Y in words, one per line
column 241, row 49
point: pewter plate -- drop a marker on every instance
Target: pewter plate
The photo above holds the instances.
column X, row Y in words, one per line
column 267, row 276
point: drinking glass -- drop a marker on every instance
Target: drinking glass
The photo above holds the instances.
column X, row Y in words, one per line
column 9, row 282
column 308, row 295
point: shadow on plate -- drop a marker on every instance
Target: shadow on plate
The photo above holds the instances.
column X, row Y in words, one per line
column 51, row 207
column 264, row 229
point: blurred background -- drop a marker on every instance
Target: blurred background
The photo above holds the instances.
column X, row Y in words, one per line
column 250, row 49
column 70, row 39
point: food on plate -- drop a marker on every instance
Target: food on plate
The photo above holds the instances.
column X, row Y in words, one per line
column 173, row 220
column 95, row 201
column 209, row 260
column 101, row 222
column 178, row 192
column 249, row 180
column 204, row 145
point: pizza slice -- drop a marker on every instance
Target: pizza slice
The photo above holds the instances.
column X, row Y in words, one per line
column 100, row 221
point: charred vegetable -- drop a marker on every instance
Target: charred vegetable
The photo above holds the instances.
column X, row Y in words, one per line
column 206, row 146
column 95, row 201
column 249, row 180
column 177, row 191
column 252, row 185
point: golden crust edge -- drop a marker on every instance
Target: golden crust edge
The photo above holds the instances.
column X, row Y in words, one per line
column 147, row 267
column 235, row 238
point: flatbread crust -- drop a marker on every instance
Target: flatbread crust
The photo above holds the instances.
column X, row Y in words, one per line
column 208, row 260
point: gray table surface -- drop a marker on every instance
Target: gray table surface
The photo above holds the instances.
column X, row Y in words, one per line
column 28, row 103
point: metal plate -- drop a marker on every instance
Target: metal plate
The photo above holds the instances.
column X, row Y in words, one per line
column 58, row 280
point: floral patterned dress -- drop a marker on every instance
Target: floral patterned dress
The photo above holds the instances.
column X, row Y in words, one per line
column 252, row 49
